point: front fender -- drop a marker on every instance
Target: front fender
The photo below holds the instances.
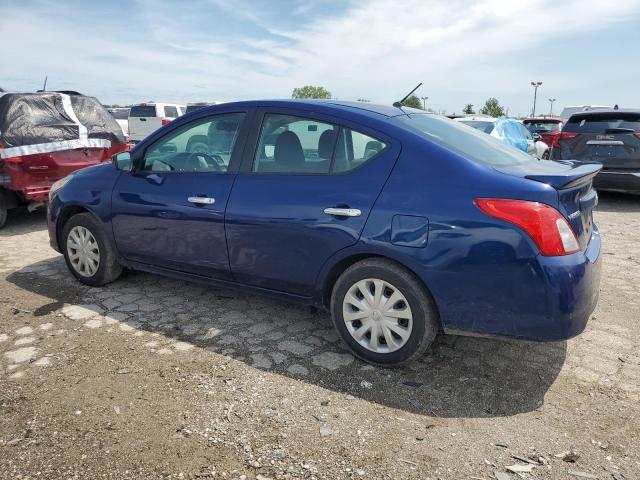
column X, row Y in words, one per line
column 89, row 191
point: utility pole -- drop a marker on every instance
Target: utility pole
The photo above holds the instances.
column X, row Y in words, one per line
column 424, row 102
column 551, row 100
column 535, row 96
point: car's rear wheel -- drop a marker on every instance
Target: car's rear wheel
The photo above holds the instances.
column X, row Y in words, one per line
column 545, row 155
column 383, row 312
column 87, row 252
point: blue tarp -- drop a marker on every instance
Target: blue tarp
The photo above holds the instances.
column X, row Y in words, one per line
column 510, row 133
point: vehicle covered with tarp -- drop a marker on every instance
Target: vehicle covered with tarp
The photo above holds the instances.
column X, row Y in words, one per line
column 45, row 136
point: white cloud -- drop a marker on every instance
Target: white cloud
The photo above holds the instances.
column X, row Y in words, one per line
column 461, row 50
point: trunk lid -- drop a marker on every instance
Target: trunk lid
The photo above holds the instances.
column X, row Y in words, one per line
column 573, row 182
column 610, row 138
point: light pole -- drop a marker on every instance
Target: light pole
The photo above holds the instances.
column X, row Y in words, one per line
column 424, row 102
column 535, row 96
column 551, row 100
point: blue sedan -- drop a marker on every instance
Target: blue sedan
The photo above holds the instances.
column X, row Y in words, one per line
column 403, row 224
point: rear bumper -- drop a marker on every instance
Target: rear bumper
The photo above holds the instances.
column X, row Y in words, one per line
column 618, row 181
column 573, row 287
column 550, row 299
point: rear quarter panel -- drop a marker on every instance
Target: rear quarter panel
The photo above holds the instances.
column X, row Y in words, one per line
column 483, row 274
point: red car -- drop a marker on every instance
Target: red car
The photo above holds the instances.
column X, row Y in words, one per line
column 547, row 127
column 45, row 136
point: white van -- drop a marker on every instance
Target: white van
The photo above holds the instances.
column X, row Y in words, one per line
column 568, row 111
column 146, row 118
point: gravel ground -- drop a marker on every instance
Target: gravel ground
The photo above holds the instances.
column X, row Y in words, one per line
column 157, row 378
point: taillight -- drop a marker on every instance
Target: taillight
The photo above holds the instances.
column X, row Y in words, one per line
column 166, row 121
column 561, row 136
column 543, row 223
column 637, row 134
column 13, row 160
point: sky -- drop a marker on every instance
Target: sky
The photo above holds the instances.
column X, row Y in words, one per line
column 463, row 51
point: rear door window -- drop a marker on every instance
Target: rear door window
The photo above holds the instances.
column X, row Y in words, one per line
column 354, row 149
column 143, row 111
column 171, row 111
column 290, row 144
column 297, row 145
column 604, row 123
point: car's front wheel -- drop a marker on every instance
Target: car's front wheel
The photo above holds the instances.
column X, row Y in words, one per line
column 383, row 312
column 87, row 252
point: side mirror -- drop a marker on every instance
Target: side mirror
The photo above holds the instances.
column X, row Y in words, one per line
column 536, row 137
column 122, row 161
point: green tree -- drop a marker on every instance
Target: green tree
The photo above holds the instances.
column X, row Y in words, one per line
column 468, row 109
column 309, row 91
column 413, row 101
column 492, row 107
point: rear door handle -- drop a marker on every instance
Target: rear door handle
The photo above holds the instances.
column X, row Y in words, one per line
column 202, row 200
column 343, row 212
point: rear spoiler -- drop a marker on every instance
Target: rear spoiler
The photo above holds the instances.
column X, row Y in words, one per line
column 580, row 173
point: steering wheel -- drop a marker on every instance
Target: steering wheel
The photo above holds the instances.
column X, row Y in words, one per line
column 211, row 161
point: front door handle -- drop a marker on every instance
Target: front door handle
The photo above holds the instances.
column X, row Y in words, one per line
column 343, row 212
column 202, row 200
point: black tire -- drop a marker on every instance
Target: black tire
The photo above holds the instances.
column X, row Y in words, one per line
column 108, row 267
column 546, row 155
column 3, row 209
column 425, row 316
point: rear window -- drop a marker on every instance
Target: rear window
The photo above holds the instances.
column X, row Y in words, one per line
column 143, row 111
column 171, row 112
column 471, row 143
column 485, row 127
column 604, row 123
column 542, row 126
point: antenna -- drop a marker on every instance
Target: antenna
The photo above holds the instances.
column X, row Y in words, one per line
column 399, row 104
column 44, row 87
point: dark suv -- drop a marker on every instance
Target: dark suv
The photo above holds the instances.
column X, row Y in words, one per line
column 611, row 138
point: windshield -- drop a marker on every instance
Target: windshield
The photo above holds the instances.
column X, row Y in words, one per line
column 542, row 127
column 483, row 126
column 462, row 139
column 603, row 123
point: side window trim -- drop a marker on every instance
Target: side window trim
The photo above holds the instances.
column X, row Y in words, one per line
column 236, row 154
column 334, row 148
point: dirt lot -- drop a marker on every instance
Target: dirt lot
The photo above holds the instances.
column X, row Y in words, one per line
column 156, row 378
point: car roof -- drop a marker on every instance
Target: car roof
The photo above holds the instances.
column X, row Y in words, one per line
column 543, row 119
column 368, row 109
column 153, row 104
column 609, row 111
